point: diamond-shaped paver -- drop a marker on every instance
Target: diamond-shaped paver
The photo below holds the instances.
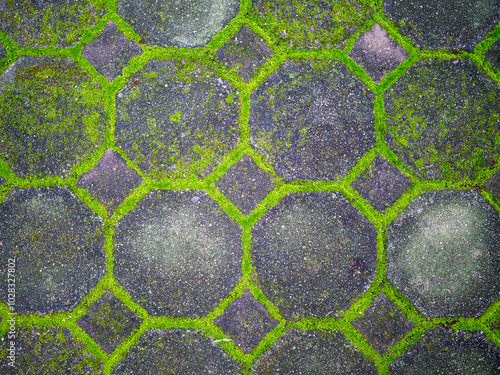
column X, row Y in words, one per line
column 246, row 321
column 111, row 51
column 493, row 185
column 177, row 119
column 57, row 243
column 245, row 184
column 443, row 250
column 458, row 24
column 381, row 184
column 446, row 351
column 493, row 54
column 177, row 253
column 109, row 321
column 111, row 180
column 383, row 324
column 314, row 253
column 313, row 119
column 377, row 52
column 178, row 23
column 246, row 50
column 176, row 351
column 443, row 119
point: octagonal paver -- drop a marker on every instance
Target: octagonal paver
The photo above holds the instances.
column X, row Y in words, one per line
column 57, row 243
column 443, row 250
column 176, row 119
column 444, row 119
column 177, row 253
column 313, row 119
column 314, row 254
column 459, row 24
column 52, row 116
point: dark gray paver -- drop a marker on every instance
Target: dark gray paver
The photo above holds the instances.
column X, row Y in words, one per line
column 52, row 115
column 43, row 350
column 57, row 243
column 313, row 119
column 3, row 52
column 111, row 180
column 377, row 52
column 383, row 324
column 313, row 352
column 110, row 51
column 176, row 119
column 177, row 253
column 176, row 351
column 443, row 250
column 431, row 24
column 444, row 351
column 178, row 23
column 493, row 54
column 314, row 253
column 493, row 185
column 443, row 119
column 245, row 184
column 246, row 321
column 109, row 321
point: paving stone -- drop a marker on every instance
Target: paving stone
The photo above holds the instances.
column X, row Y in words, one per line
column 111, row 180
column 383, row 324
column 311, row 24
column 43, row 350
column 176, row 351
column 381, row 184
column 178, row 23
column 175, row 119
column 57, row 243
column 52, row 23
column 443, row 250
column 52, row 116
column 110, row 51
column 313, row 119
column 444, row 24
column 313, row 352
column 377, row 52
column 245, row 184
column 246, row 321
column 246, row 50
column 314, row 253
column 493, row 54
column 443, row 118
column 3, row 52
column 177, row 253
column 493, row 185
column 109, row 321
column 444, row 351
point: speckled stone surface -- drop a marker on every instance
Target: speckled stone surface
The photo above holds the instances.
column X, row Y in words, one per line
column 493, row 185
column 493, row 54
column 3, row 51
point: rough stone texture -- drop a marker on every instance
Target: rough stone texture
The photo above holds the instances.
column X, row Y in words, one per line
column 436, row 24
column 381, row 184
column 314, row 254
column 313, row 352
column 313, row 120
column 443, row 250
column 111, row 51
column 245, row 184
column 493, row 54
column 377, row 52
column 246, row 51
column 3, row 52
column 177, row 253
column 443, row 351
column 52, row 115
column 246, row 321
column 176, row 351
column 109, row 322
column 41, row 351
column 49, row 23
column 176, row 119
column 311, row 23
column 111, row 180
column 57, row 243
column 493, row 185
column 178, row 23
column 444, row 119
column 383, row 324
